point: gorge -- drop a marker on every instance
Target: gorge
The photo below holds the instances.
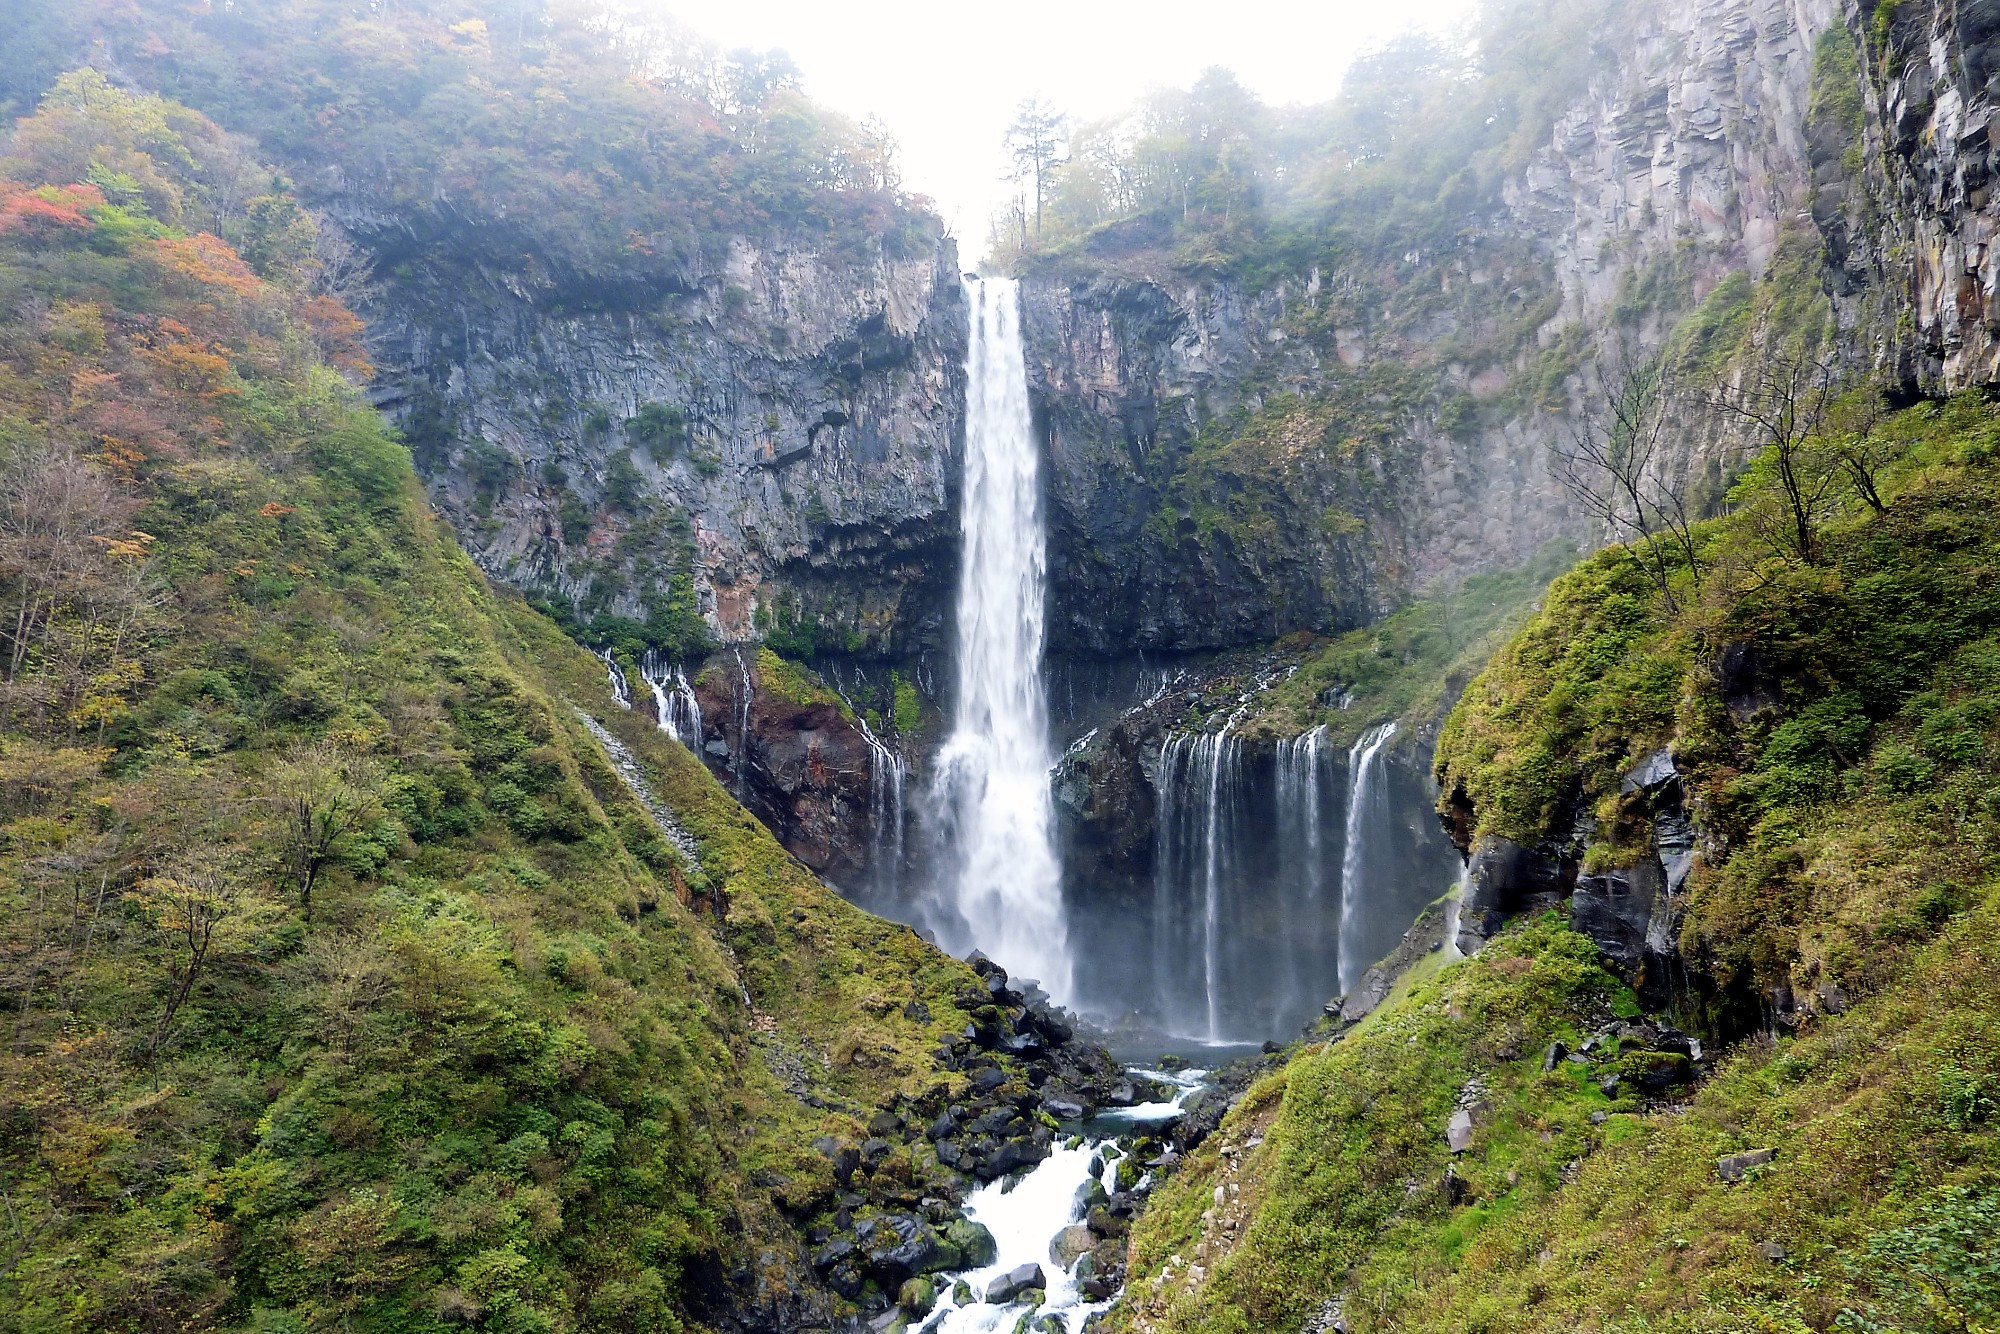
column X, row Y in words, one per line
column 1385, row 716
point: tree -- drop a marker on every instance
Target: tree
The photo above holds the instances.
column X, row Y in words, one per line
column 191, row 902
column 1939, row 1273
column 1035, row 143
column 1861, row 445
column 322, row 794
column 1610, row 464
column 58, row 513
column 1785, row 399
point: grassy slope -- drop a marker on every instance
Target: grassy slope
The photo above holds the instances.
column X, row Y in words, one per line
column 1854, row 845
column 505, row 1073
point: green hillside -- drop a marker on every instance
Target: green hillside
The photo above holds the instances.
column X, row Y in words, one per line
column 348, row 985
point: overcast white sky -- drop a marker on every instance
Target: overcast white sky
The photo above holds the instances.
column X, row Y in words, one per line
column 947, row 77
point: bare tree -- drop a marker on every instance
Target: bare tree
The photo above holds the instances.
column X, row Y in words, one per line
column 1860, row 444
column 322, row 794
column 1611, row 464
column 1785, row 398
column 339, row 266
column 56, row 512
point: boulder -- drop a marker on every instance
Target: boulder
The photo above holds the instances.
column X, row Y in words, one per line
column 1091, row 1194
column 1737, row 1166
column 1458, row 1131
column 1106, row 1223
column 1012, row 1155
column 1655, row 1072
column 1064, row 1108
column 1070, row 1243
column 900, row 1247
column 1015, row 1284
column 831, row 1254
column 917, row 1296
column 1050, row 1024
column 971, row 1243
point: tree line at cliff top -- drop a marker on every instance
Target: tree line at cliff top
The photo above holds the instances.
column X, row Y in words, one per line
column 1417, row 139
column 568, row 137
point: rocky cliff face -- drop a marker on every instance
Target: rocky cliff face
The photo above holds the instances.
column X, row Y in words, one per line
column 1231, row 463
column 780, row 425
column 1934, row 77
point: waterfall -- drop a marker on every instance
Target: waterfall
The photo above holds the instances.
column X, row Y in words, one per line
column 1451, row 907
column 1367, row 801
column 886, row 771
column 992, row 780
column 1301, row 842
column 1196, row 867
column 674, row 701
column 621, row 689
column 746, row 694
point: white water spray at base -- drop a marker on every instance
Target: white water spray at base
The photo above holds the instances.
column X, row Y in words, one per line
column 992, row 787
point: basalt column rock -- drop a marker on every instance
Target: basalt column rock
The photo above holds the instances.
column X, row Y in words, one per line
column 1631, row 911
column 778, row 422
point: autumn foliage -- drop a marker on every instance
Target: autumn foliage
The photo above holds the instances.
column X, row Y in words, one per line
column 46, row 209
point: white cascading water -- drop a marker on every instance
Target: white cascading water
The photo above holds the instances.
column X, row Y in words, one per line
column 993, row 774
column 621, row 690
column 1197, row 872
column 1301, row 840
column 674, row 701
column 1366, row 792
column 885, row 810
column 746, row 694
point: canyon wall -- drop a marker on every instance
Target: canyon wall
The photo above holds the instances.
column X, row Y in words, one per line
column 781, row 427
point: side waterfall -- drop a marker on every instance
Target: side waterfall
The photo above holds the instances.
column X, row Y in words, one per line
column 992, row 786
column 1280, row 872
column 746, row 694
column 674, row 701
column 1196, row 866
column 621, row 689
column 886, row 771
column 1367, row 804
column 1301, row 841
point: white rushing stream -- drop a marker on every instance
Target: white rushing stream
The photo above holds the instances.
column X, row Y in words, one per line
column 992, row 793
column 1025, row 1213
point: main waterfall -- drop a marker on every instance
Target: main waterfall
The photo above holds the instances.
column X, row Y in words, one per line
column 992, row 785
